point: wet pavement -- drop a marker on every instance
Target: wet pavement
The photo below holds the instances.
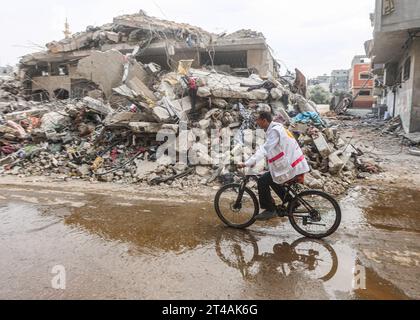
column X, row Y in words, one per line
column 115, row 247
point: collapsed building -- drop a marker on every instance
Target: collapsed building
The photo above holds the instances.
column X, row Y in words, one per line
column 70, row 67
column 91, row 106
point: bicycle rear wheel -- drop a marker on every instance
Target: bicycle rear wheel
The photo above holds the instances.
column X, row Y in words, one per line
column 315, row 214
column 239, row 217
column 320, row 259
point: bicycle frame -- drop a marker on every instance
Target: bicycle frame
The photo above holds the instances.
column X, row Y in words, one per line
column 290, row 189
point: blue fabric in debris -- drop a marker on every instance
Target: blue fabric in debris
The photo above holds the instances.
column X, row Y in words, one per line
column 307, row 117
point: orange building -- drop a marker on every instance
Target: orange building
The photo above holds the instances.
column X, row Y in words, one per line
column 361, row 82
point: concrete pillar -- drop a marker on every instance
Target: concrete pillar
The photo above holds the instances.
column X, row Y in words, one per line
column 260, row 59
column 415, row 69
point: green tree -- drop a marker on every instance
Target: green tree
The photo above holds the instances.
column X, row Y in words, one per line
column 319, row 95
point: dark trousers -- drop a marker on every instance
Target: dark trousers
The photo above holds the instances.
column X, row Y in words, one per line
column 193, row 96
column 264, row 192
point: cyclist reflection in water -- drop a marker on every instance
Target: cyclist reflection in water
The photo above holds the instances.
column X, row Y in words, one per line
column 316, row 257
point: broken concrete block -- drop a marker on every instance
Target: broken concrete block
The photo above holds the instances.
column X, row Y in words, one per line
column 145, row 127
column 149, row 127
column 7, row 160
column 169, row 129
column 316, row 174
column 335, row 163
column 165, row 160
column 125, row 91
column 322, row 145
column 178, row 108
column 202, row 171
column 199, row 155
column 307, row 140
column 123, row 117
column 220, row 103
column 204, row 92
column 184, row 142
column 140, row 89
column 346, row 153
column 316, row 184
column 284, row 115
column 167, row 90
column 340, row 143
column 97, row 106
column 84, row 170
column 276, row 93
column 106, row 69
column 329, row 134
column 204, row 124
column 162, row 114
column 144, row 168
column 300, row 127
column 113, row 36
column 180, row 168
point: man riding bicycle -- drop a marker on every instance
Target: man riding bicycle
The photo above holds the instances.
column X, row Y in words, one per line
column 286, row 162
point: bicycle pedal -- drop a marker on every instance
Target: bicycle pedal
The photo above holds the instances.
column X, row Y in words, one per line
column 282, row 213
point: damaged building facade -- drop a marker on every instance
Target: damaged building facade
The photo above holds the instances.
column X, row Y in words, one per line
column 97, row 58
column 395, row 53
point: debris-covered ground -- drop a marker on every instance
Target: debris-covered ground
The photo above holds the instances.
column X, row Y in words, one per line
column 95, row 139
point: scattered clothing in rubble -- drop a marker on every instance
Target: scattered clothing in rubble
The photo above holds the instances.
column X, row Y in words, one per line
column 247, row 123
column 309, row 117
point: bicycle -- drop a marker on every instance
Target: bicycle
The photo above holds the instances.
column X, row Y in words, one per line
column 314, row 214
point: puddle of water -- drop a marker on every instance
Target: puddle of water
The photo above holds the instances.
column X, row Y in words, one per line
column 151, row 227
column 150, row 250
column 379, row 289
column 394, row 210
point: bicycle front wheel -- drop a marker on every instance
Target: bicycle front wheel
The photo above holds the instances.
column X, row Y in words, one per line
column 315, row 214
column 236, row 214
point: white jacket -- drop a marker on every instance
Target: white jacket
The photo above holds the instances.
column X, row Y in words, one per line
column 284, row 155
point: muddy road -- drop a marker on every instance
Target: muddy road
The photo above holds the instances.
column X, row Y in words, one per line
column 132, row 244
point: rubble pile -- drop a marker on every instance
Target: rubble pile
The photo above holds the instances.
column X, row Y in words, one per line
column 133, row 28
column 95, row 106
column 98, row 140
column 335, row 164
column 11, row 97
column 395, row 127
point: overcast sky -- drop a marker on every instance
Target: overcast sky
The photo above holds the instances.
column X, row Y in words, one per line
column 315, row 36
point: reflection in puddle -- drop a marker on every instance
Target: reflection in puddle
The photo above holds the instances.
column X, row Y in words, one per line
column 315, row 257
column 307, row 262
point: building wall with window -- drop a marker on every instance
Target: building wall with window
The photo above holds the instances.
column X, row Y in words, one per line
column 396, row 45
column 360, row 83
column 407, row 102
column 340, row 81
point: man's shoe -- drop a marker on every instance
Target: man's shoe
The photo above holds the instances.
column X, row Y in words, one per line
column 282, row 211
column 266, row 215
